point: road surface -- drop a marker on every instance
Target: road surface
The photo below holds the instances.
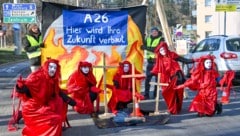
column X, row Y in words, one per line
column 185, row 124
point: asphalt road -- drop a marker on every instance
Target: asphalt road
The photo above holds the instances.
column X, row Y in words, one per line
column 185, row 124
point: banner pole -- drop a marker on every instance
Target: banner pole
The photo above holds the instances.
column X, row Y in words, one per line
column 225, row 20
column 144, row 2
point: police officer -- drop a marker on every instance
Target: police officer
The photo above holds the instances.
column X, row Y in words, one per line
column 150, row 43
column 32, row 43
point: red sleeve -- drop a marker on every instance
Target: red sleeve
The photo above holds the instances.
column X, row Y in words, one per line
column 91, row 79
column 72, row 84
column 37, row 89
column 192, row 84
column 174, row 55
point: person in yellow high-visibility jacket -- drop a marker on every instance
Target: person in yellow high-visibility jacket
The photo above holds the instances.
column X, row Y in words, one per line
column 149, row 46
column 32, row 43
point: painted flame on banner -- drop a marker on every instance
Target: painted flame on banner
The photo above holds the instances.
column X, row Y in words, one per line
column 69, row 57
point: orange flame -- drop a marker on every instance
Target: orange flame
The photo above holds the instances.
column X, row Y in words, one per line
column 69, row 60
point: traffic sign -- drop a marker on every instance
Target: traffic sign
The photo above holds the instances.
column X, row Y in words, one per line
column 19, row 19
column 228, row 5
column 19, row 12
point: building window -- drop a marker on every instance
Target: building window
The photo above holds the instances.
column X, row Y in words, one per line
column 208, row 18
column 207, row 3
column 208, row 33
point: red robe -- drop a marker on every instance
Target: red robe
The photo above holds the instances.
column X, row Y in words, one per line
column 204, row 81
column 42, row 113
column 122, row 93
column 168, row 67
column 79, row 85
column 206, row 99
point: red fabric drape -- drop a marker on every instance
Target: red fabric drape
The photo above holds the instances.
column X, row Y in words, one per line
column 79, row 85
column 168, row 67
column 43, row 113
column 123, row 93
column 204, row 81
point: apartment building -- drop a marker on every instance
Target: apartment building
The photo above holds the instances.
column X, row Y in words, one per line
column 210, row 22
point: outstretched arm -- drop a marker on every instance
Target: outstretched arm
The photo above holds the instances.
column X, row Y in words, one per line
column 189, row 83
column 67, row 99
column 184, row 60
column 22, row 88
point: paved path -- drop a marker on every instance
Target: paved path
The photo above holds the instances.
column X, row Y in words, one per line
column 185, row 124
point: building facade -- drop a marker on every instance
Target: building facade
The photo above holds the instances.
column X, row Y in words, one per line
column 210, row 22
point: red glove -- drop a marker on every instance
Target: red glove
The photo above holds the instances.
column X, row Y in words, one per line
column 20, row 82
column 95, row 89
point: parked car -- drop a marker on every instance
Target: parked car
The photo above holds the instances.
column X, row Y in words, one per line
column 226, row 49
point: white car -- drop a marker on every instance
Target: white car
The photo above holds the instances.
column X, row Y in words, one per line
column 226, row 49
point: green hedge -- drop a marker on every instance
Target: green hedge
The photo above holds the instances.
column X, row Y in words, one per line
column 7, row 55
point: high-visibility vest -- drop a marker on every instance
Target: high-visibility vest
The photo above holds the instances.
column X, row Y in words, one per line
column 151, row 43
column 34, row 42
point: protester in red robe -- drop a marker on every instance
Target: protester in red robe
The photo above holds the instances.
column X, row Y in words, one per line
column 167, row 65
column 122, row 90
column 204, row 79
column 82, row 87
column 42, row 101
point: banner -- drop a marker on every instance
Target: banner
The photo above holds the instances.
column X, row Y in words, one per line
column 95, row 27
column 73, row 34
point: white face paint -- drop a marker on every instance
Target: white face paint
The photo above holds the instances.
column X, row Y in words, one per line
column 162, row 51
column 126, row 68
column 208, row 64
column 52, row 68
column 85, row 70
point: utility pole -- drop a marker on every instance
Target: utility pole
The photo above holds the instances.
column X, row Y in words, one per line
column 77, row 3
column 17, row 36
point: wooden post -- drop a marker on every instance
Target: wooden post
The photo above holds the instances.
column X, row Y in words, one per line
column 164, row 24
column 156, row 112
column 133, row 76
column 104, row 67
